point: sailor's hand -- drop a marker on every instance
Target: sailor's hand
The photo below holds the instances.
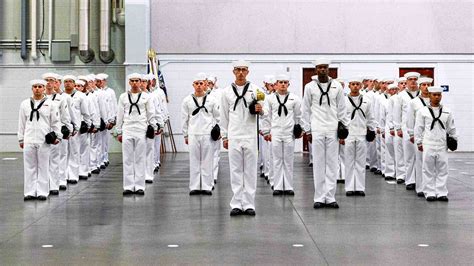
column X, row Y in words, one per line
column 342, row 142
column 412, row 140
column 400, row 133
column 258, row 108
column 186, row 141
column 119, row 138
column 21, row 145
column 420, row 148
column 225, row 143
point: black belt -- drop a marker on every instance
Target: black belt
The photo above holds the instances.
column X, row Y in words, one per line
column 282, row 105
column 240, row 96
column 132, row 104
column 356, row 107
column 196, row 111
column 35, row 110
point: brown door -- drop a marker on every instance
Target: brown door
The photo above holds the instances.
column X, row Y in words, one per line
column 307, row 74
column 424, row 71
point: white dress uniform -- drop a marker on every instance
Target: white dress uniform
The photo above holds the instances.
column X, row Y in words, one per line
column 282, row 112
column 400, row 166
column 100, row 105
column 36, row 119
column 110, row 93
column 150, row 143
column 216, row 94
column 387, row 121
column 198, row 116
column 160, row 94
column 371, row 146
column 135, row 113
column 323, row 108
column 80, row 107
column 86, row 139
column 360, row 111
column 239, row 127
column 414, row 106
column 64, row 159
column 431, row 127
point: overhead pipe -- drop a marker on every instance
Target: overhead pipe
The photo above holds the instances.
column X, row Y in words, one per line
column 33, row 13
column 73, row 23
column 121, row 14
column 86, row 54
column 24, row 27
column 50, row 25
column 106, row 54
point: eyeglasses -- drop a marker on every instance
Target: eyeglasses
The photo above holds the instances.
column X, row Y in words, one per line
column 37, row 86
column 134, row 80
column 241, row 69
column 199, row 83
column 283, row 82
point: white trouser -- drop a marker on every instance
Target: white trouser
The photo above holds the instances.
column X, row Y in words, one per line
column 36, row 166
column 216, row 148
column 325, row 154
column 378, row 151
column 134, row 154
column 355, row 154
column 383, row 150
column 409, row 154
column 243, row 172
column 74, row 158
column 63, row 161
column 104, row 136
column 261, row 140
column 435, row 171
column 85, row 157
column 94, row 151
column 283, row 154
column 341, row 173
column 400, row 168
column 157, row 150
column 389, row 155
column 54, row 167
column 310, row 151
column 269, row 161
column 266, row 157
column 372, row 154
column 419, row 181
column 201, row 154
column 149, row 163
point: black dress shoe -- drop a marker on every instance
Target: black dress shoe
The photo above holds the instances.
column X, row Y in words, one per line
column 373, row 169
column 262, row 175
column 310, row 164
column 62, row 187
column 250, row 212
column 277, row 192
column 140, row 192
column 266, row 177
column 206, row 192
column 54, row 192
column 107, row 163
column 72, row 182
column 156, row 169
column 268, row 181
column 443, row 198
column 430, row 198
column 272, row 188
column 236, row 211
column 388, row 178
column 89, row 175
column 400, row 181
column 194, row 192
column 102, row 166
column 289, row 192
column 42, row 198
column 367, row 167
column 383, row 175
column 341, row 181
column 213, row 187
column 96, row 171
column 127, row 192
column 378, row 172
column 333, row 205
column 360, row 193
column 149, row 181
column 215, row 181
column 410, row 187
column 318, row 205
column 29, row 197
column 350, row 193
column 83, row 177
column 420, row 194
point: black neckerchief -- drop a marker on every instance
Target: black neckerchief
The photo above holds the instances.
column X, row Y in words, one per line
column 356, row 107
column 132, row 104
column 196, row 111
column 72, row 95
column 246, row 87
column 54, row 97
column 386, row 97
column 422, row 101
column 36, row 110
column 282, row 105
column 411, row 96
column 436, row 118
column 324, row 92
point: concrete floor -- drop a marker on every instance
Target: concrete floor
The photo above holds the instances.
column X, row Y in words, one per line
column 93, row 223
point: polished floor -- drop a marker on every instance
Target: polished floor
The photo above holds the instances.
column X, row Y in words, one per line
column 92, row 223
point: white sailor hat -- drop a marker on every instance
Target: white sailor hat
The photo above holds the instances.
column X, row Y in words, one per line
column 69, row 77
column 355, row 79
column 321, row 61
column 82, row 77
column 38, row 82
column 145, row 77
column 388, row 80
column 80, row 82
column 424, row 80
column 134, row 76
column 59, row 77
column 401, row 79
column 199, row 77
column 269, row 79
column 151, row 76
column 392, row 86
column 412, row 74
column 369, row 78
column 434, row 89
column 49, row 75
column 240, row 63
column 102, row 76
column 91, row 77
column 341, row 80
column 212, row 78
column 282, row 77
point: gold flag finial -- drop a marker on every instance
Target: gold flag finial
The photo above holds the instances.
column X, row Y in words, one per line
column 151, row 53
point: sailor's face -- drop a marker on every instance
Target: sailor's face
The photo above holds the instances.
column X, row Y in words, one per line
column 50, row 83
column 69, row 84
column 411, row 82
column 424, row 87
column 355, row 87
column 322, row 70
column 37, row 89
column 134, row 83
column 282, row 86
column 241, row 72
column 435, row 97
column 199, row 86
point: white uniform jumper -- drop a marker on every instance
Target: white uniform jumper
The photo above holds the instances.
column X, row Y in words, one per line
column 160, row 94
column 150, row 143
column 265, row 154
column 359, row 109
column 135, row 113
column 408, row 148
column 400, row 167
column 323, row 108
column 110, row 93
column 36, row 119
column 198, row 116
column 64, row 144
column 431, row 127
column 387, row 142
column 282, row 113
column 240, row 128
column 216, row 145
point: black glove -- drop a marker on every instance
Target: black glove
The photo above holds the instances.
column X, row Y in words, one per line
column 84, row 128
column 370, row 135
column 150, row 132
column 102, row 125
column 252, row 107
column 158, row 127
column 452, row 143
column 65, row 131
column 50, row 138
column 297, row 130
column 215, row 132
column 342, row 131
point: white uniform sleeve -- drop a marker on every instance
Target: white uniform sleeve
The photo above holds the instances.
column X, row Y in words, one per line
column 215, row 110
column 397, row 113
column 54, row 120
column 297, row 111
column 185, row 117
column 306, row 110
column 419, row 127
column 371, row 123
column 150, row 112
column 64, row 112
column 120, row 113
column 450, row 127
column 21, row 123
column 410, row 118
column 341, row 108
column 267, row 118
column 85, row 111
column 224, row 115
